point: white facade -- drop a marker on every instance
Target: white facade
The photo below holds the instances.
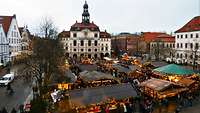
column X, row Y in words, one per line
column 187, row 45
column 90, row 45
column 85, row 39
column 4, row 47
column 14, row 38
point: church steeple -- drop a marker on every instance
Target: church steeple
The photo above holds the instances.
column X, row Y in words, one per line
column 86, row 14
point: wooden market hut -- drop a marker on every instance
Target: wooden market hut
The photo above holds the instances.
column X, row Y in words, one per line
column 173, row 69
column 97, row 95
column 96, row 77
column 172, row 72
column 159, row 89
column 192, row 85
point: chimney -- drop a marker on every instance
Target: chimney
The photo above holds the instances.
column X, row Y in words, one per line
column 14, row 16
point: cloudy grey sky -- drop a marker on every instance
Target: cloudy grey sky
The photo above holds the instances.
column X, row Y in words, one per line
column 113, row 15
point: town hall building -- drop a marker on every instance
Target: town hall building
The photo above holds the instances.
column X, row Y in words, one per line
column 85, row 39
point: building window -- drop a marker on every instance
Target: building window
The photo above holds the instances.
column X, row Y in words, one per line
column 95, row 43
column 74, row 35
column 185, row 35
column 177, row 55
column 177, row 45
column 181, row 36
column 82, row 50
column 191, row 45
column 181, row 55
column 177, row 36
column 15, row 27
column 167, row 45
column 191, row 57
column 106, row 48
column 95, row 35
column 74, row 49
column 66, row 48
column 197, row 46
column 95, row 50
column 191, row 35
column 197, row 35
column 181, row 45
column 102, row 49
column 185, row 56
column 173, row 45
column 89, row 50
column 89, row 43
column 74, row 43
column 185, row 45
column 82, row 43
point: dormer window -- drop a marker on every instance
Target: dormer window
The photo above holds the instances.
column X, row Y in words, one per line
column 74, row 35
column 85, row 33
column 15, row 27
column 95, row 35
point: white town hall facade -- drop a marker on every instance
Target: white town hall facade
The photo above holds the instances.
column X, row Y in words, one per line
column 85, row 39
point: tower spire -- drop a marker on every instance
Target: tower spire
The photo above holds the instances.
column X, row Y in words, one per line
column 86, row 14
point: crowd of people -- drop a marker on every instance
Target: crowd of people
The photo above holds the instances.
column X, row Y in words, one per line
column 110, row 106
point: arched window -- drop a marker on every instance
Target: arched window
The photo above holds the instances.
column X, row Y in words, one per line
column 95, row 43
column 82, row 42
column 89, row 43
column 74, row 43
column 177, row 55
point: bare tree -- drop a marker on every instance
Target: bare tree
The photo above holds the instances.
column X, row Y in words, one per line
column 48, row 28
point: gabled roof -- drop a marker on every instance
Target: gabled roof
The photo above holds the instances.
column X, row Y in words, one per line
column 6, row 21
column 105, row 35
column 80, row 26
column 150, row 36
column 64, row 34
column 192, row 25
column 156, row 84
column 24, row 29
column 165, row 38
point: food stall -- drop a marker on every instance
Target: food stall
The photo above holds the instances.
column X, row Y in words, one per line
column 88, row 98
column 172, row 72
column 95, row 78
column 160, row 89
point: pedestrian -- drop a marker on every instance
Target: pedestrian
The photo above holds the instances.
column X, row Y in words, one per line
column 4, row 110
column 13, row 111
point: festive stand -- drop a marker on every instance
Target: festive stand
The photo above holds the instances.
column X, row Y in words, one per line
column 98, row 96
column 160, row 89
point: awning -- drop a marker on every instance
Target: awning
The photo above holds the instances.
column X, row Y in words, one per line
column 173, row 69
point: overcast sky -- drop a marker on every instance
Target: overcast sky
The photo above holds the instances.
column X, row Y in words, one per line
column 113, row 15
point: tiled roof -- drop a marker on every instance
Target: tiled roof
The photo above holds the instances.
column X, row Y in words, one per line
column 192, row 25
column 150, row 36
column 166, row 38
column 80, row 26
column 6, row 21
column 104, row 35
column 64, row 34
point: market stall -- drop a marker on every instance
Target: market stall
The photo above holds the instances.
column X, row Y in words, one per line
column 172, row 72
column 95, row 78
column 159, row 89
column 99, row 95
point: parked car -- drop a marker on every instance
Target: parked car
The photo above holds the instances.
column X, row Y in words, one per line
column 6, row 79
